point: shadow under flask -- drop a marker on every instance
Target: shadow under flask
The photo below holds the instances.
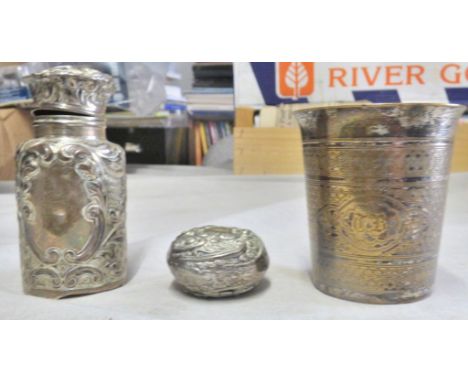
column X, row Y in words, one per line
column 71, row 188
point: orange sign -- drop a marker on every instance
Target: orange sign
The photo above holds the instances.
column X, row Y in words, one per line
column 294, row 79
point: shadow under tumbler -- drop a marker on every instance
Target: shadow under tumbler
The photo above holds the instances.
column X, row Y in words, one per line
column 376, row 177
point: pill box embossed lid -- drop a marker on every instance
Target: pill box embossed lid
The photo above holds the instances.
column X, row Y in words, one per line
column 215, row 261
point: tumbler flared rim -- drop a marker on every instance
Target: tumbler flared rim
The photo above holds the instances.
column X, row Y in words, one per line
column 377, row 105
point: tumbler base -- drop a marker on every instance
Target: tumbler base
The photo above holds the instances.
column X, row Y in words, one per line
column 400, row 297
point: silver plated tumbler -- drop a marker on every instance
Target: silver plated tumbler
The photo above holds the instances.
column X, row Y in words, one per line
column 376, row 177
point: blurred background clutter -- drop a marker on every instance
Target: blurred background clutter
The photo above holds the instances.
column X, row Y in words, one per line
column 184, row 113
column 161, row 112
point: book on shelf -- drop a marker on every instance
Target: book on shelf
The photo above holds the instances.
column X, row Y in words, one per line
column 210, row 98
column 212, row 87
column 210, row 90
column 207, row 134
column 211, row 112
column 212, row 69
column 213, row 74
column 210, row 106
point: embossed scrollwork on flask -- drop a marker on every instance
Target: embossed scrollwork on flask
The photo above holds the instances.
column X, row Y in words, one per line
column 73, row 194
column 71, row 188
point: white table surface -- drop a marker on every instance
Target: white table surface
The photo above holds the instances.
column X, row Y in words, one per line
column 165, row 200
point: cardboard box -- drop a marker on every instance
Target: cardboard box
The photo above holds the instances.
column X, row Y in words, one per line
column 244, row 116
column 15, row 128
column 269, row 150
column 460, row 148
column 277, row 150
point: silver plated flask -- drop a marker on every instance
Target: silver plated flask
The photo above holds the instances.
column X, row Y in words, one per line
column 71, row 192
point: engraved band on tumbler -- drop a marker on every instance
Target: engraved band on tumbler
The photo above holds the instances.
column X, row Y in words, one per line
column 376, row 177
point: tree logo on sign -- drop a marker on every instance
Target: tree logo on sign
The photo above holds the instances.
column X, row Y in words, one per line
column 294, row 79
